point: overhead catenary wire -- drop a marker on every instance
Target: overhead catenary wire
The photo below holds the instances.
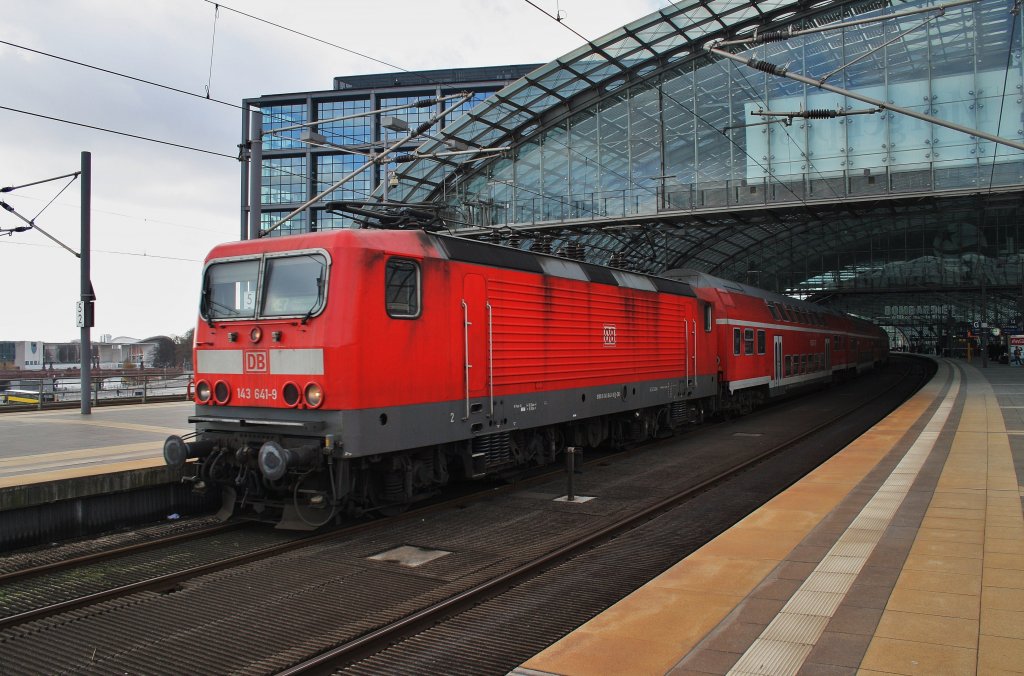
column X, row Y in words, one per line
column 107, row 251
column 213, row 44
column 559, row 19
column 119, row 133
column 320, row 40
column 144, row 219
column 140, row 80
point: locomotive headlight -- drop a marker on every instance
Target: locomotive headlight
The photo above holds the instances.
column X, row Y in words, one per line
column 203, row 391
column 221, row 392
column 290, row 392
column 255, row 334
column 314, row 395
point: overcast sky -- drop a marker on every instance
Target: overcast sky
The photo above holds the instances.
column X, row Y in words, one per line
column 158, row 209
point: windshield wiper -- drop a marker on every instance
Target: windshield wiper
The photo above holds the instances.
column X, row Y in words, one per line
column 204, row 307
column 319, row 298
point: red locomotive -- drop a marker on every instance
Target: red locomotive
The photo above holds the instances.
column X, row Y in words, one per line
column 355, row 370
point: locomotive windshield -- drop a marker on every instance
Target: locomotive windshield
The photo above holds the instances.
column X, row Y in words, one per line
column 229, row 290
column 293, row 285
column 289, row 286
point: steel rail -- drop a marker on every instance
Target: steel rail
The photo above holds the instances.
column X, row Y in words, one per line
column 95, row 557
column 171, row 579
column 387, row 635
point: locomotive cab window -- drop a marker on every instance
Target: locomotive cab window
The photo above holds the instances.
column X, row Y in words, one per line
column 402, row 288
column 229, row 290
column 708, row 323
column 294, row 285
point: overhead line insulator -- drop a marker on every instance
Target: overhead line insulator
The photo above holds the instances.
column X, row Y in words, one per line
column 770, row 36
column 767, row 67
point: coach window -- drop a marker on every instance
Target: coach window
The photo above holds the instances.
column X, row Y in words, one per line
column 789, row 365
column 402, row 288
column 760, row 341
column 774, row 310
column 748, row 341
column 736, row 341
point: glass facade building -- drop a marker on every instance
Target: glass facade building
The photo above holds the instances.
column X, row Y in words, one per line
column 292, row 171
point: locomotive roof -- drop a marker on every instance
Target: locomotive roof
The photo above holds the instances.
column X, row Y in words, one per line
column 496, row 255
column 703, row 280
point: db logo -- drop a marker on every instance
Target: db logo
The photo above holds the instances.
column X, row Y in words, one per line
column 609, row 335
column 255, row 361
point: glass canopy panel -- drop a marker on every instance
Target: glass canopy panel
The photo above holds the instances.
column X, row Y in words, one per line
column 526, row 96
column 556, row 79
column 614, row 166
column 654, row 34
column 555, row 158
column 603, row 72
column 584, row 163
column 645, row 148
column 529, row 189
column 679, row 129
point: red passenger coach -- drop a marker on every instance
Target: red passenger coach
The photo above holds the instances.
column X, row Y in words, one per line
column 355, row 370
column 770, row 345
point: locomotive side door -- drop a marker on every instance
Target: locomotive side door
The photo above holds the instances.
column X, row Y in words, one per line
column 476, row 333
column 778, row 359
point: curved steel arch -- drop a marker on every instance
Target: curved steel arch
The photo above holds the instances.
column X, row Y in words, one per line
column 774, row 238
column 598, row 70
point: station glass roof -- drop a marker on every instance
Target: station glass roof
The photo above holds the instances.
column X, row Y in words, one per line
column 641, row 151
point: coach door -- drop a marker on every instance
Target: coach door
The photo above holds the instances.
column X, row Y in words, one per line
column 476, row 320
column 778, row 359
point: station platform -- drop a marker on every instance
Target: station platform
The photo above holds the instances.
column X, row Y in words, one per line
column 903, row 554
column 60, row 454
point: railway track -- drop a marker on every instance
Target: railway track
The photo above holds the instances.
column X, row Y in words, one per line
column 390, row 646
column 58, row 586
column 328, row 598
column 81, row 580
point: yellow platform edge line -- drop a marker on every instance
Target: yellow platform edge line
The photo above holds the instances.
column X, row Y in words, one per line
column 644, row 633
